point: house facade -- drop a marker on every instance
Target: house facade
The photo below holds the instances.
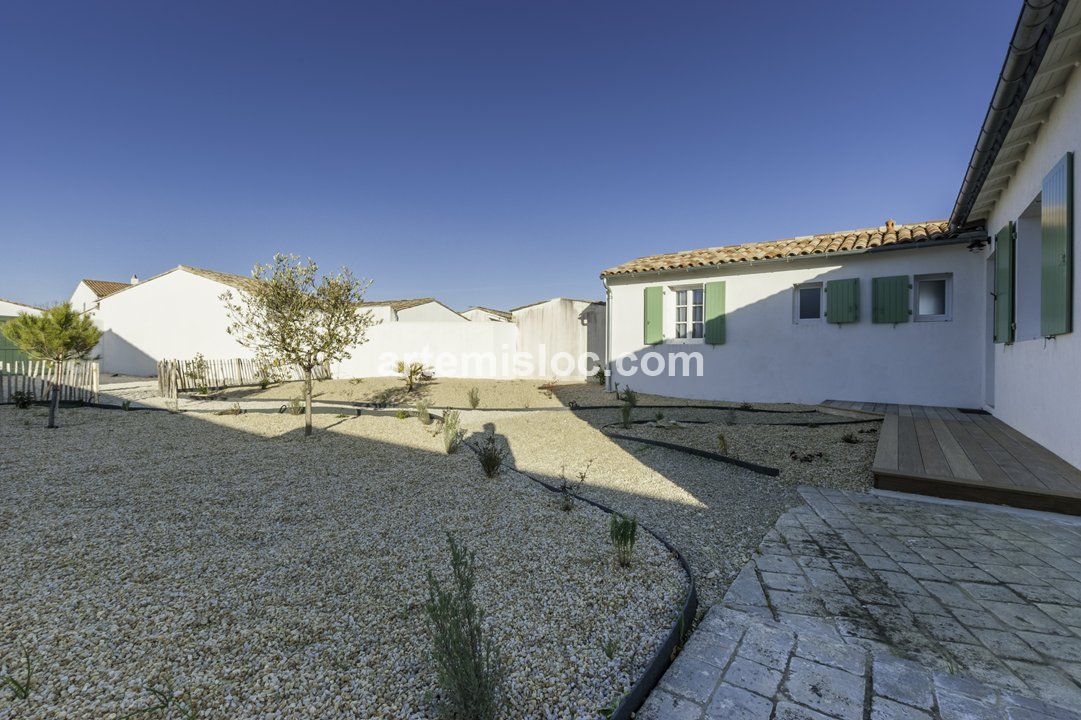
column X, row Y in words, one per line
column 8, row 310
column 887, row 314
column 88, row 293
column 974, row 312
column 483, row 314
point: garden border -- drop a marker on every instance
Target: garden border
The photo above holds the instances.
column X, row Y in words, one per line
column 753, row 467
column 633, row 699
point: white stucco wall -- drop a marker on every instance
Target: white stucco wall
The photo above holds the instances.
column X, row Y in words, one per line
column 454, row 349
column 767, row 357
column 175, row 315
column 83, row 299
column 561, row 325
column 11, row 309
column 1038, row 382
column 429, row 312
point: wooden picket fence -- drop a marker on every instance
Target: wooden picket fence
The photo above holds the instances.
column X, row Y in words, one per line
column 176, row 376
column 79, row 381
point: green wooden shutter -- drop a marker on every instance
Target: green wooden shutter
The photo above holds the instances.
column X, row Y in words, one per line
column 653, row 328
column 1004, row 255
column 715, row 313
column 1056, row 223
column 890, row 299
column 843, row 301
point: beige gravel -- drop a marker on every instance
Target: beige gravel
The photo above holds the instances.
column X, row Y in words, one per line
column 264, row 575
column 715, row 514
column 451, row 392
column 842, row 465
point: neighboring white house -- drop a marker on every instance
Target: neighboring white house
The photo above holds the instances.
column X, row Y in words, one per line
column 976, row 312
column 483, row 314
column 565, row 337
column 886, row 314
column 417, row 310
column 88, row 293
column 10, row 308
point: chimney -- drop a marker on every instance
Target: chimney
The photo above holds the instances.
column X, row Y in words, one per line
column 890, row 226
column 134, row 280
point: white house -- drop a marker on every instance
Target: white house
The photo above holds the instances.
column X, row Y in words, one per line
column 483, row 314
column 974, row 312
column 885, row 314
column 417, row 310
column 88, row 293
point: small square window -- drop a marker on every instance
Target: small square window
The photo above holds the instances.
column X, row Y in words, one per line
column 808, row 302
column 934, row 298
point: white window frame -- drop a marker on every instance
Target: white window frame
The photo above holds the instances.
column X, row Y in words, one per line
column 671, row 331
column 821, row 287
column 944, row 317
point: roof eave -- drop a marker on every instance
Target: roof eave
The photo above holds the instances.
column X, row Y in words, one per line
column 961, row 238
column 1033, row 33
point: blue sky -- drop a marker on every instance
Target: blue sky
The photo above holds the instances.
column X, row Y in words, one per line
column 487, row 153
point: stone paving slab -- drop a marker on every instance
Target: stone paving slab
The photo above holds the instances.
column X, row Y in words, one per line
column 863, row 607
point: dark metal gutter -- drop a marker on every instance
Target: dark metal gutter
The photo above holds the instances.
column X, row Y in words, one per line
column 1035, row 27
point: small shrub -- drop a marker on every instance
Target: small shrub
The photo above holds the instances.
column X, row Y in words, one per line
column 610, row 648
column 659, row 416
column 722, row 444
column 469, row 665
column 295, row 406
column 126, row 405
column 567, row 488
column 746, row 406
column 23, row 399
column 168, row 703
column 548, row 389
column 270, row 372
column 452, row 433
column 599, row 376
column 629, row 396
column 625, row 414
column 401, row 414
column 623, row 531
column 20, row 690
column 851, row 438
column 422, row 414
column 235, row 409
column 412, row 373
column 491, row 456
column 804, row 457
column 474, row 397
column 198, row 372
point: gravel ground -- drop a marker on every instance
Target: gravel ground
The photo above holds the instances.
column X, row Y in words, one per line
column 716, row 514
column 451, row 392
column 842, row 465
column 263, row 575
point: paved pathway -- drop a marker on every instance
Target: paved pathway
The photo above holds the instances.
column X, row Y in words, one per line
column 862, row 607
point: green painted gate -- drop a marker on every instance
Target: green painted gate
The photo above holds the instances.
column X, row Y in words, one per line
column 8, row 351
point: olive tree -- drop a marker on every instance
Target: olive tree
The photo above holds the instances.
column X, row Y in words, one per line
column 288, row 312
column 58, row 335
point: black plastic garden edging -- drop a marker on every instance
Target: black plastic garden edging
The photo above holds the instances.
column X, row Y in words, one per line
column 642, row 687
column 761, row 469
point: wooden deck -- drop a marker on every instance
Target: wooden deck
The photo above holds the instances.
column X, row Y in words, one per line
column 951, row 453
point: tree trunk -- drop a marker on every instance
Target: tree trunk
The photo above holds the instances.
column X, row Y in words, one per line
column 307, row 401
column 55, row 400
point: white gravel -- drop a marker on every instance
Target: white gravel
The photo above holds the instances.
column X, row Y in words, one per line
column 264, row 575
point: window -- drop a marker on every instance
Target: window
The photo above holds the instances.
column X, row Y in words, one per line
column 808, row 303
column 690, row 314
column 934, row 300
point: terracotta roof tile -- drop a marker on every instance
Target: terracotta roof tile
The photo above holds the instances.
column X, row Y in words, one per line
column 104, row 288
column 824, row 244
column 399, row 305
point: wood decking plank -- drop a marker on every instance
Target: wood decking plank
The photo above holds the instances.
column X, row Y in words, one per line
column 886, row 453
column 1019, row 475
column 986, row 467
column 909, row 459
column 1037, row 460
column 960, row 464
column 934, row 460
